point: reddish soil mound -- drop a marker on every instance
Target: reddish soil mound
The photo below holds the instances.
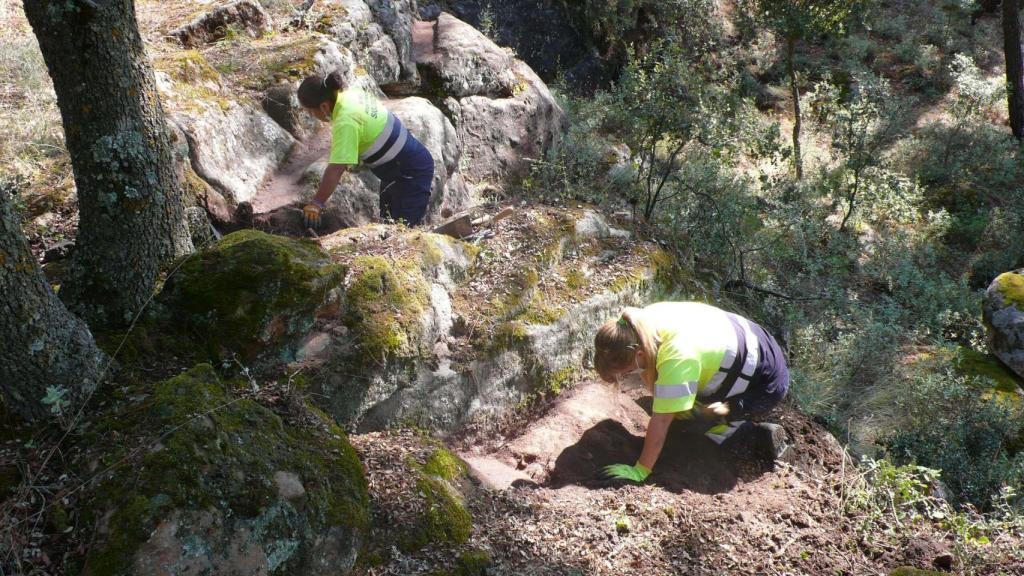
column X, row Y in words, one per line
column 593, row 427
column 706, row 510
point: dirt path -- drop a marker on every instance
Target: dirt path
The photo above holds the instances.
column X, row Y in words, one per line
column 541, row 507
column 286, row 186
column 593, row 427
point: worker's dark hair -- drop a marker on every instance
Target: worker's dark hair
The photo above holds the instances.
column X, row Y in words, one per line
column 316, row 90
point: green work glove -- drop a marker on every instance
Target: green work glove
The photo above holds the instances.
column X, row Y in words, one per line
column 636, row 473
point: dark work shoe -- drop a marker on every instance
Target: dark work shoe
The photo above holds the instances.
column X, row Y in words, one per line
column 776, row 436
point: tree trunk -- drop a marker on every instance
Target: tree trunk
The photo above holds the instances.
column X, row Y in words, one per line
column 798, row 162
column 1014, row 66
column 129, row 193
column 44, row 345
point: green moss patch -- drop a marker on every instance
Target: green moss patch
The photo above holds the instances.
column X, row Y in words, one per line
column 384, row 303
column 970, row 362
column 196, row 449
column 248, row 293
column 417, row 487
column 446, row 465
column 1011, row 286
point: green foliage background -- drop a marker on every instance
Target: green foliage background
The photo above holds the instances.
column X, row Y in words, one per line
column 911, row 204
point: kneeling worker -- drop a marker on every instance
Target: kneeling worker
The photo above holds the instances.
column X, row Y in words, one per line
column 690, row 351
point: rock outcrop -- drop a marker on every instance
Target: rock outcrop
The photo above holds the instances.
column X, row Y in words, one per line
column 232, row 144
column 503, row 111
column 1003, row 313
column 394, row 325
column 241, row 15
column 227, row 487
column 483, row 114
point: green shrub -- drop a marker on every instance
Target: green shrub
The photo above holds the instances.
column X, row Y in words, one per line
column 971, row 438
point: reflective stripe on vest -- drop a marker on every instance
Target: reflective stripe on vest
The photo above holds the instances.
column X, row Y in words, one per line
column 723, row 432
column 738, row 364
column 388, row 144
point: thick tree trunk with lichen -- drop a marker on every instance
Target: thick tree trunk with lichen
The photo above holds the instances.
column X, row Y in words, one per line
column 44, row 345
column 129, row 193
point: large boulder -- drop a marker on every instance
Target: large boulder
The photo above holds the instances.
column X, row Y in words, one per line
column 245, row 15
column 504, row 112
column 396, row 17
column 467, row 63
column 1003, row 314
column 501, row 136
column 233, row 144
column 245, row 295
column 214, row 483
column 352, row 24
column 440, row 332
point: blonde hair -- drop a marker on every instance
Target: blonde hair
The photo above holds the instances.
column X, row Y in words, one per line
column 617, row 341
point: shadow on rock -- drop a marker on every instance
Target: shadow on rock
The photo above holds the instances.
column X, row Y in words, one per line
column 286, row 221
column 688, row 462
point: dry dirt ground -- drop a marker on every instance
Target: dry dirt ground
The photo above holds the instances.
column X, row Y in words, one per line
column 540, row 505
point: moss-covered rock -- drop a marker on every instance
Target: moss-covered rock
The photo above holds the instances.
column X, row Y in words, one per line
column 1003, row 315
column 473, row 563
column 441, row 331
column 251, row 294
column 384, row 304
column 1011, row 286
column 219, row 484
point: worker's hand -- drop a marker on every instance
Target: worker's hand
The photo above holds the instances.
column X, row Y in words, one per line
column 636, row 473
column 714, row 409
column 311, row 214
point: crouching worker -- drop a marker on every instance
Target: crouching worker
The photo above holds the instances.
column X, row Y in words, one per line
column 363, row 131
column 696, row 360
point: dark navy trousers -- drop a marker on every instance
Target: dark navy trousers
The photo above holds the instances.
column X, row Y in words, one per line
column 405, row 183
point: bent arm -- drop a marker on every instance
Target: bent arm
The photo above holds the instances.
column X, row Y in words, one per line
column 329, row 181
column 657, row 429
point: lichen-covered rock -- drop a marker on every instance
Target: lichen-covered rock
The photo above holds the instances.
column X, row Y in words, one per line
column 351, row 23
column 467, row 63
column 440, row 332
column 249, row 293
column 242, row 15
column 500, row 136
column 396, row 17
column 234, row 146
column 218, row 484
column 439, row 136
column 1003, row 313
column 198, row 226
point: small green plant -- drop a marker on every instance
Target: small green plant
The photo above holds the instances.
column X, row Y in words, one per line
column 487, row 23
column 57, row 399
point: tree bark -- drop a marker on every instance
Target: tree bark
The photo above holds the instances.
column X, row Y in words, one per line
column 44, row 345
column 798, row 162
column 131, row 215
column 1014, row 66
